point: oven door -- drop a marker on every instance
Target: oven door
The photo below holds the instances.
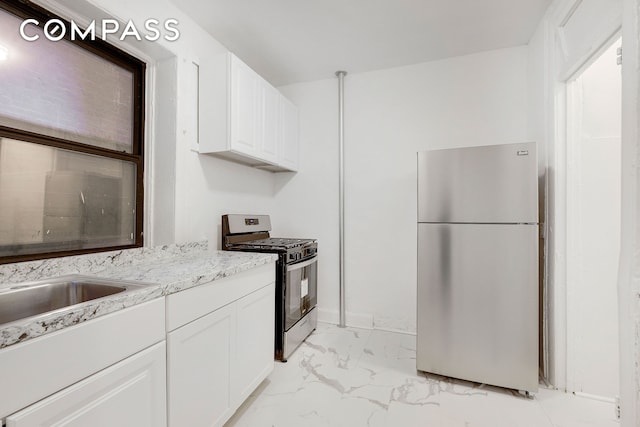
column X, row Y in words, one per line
column 300, row 290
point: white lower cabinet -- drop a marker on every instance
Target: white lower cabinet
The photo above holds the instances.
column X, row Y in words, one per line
column 217, row 359
column 199, row 369
column 254, row 354
column 118, row 370
column 130, row 393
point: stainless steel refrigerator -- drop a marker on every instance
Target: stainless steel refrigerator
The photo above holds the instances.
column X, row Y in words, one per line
column 478, row 264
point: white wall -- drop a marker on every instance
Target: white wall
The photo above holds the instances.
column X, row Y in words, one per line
column 537, row 128
column 391, row 114
column 307, row 202
column 541, row 128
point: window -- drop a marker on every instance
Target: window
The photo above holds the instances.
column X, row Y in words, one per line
column 71, row 142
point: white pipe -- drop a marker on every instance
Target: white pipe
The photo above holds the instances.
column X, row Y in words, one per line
column 340, row 75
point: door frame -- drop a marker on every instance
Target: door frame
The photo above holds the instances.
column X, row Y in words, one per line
column 556, row 73
column 573, row 168
column 629, row 268
column 561, row 64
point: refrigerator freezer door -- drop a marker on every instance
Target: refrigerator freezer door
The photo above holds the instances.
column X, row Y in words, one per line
column 478, row 303
column 490, row 184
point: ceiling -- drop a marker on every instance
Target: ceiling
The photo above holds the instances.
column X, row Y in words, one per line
column 289, row 41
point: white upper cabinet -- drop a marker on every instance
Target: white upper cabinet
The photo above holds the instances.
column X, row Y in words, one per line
column 270, row 123
column 288, row 140
column 242, row 117
column 245, row 111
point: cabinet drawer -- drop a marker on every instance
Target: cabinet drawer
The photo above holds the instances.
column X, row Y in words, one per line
column 45, row 365
column 128, row 394
column 185, row 306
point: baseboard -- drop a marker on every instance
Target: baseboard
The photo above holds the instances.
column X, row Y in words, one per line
column 397, row 331
column 611, row 400
column 355, row 320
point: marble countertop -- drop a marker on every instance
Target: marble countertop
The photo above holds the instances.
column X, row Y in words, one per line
column 168, row 269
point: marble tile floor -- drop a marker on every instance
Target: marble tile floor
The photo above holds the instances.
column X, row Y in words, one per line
column 355, row 377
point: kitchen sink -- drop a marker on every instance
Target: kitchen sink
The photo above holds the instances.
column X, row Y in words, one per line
column 44, row 296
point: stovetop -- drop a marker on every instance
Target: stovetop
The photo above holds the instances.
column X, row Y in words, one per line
column 274, row 243
column 251, row 233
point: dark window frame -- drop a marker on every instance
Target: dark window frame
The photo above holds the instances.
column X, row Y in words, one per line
column 24, row 9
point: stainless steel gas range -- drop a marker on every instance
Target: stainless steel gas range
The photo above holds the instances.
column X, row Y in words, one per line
column 296, row 276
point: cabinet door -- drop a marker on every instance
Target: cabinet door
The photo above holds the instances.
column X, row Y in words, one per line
column 288, row 150
column 199, row 364
column 255, row 342
column 130, row 393
column 270, row 122
column 244, row 108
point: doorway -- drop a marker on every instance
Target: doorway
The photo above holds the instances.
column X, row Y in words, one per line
column 593, row 160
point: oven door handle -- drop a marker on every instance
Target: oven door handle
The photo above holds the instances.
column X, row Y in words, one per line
column 303, row 264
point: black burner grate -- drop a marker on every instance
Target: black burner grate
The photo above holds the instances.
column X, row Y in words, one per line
column 275, row 243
